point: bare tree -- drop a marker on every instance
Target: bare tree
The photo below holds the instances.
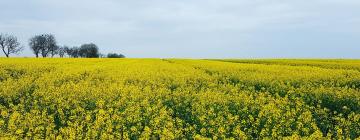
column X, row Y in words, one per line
column 49, row 46
column 44, row 45
column 68, row 51
column 62, row 51
column 9, row 44
column 54, row 49
column 72, row 52
column 75, row 52
column 36, row 44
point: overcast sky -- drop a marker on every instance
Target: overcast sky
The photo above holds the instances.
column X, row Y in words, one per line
column 193, row 28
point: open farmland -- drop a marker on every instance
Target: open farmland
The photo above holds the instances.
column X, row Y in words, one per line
column 176, row 99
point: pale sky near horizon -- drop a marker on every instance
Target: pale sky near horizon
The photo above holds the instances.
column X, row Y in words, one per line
column 192, row 28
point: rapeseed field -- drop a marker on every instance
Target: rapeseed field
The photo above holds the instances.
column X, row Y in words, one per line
column 179, row 99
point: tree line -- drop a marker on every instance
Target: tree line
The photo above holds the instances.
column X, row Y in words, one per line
column 45, row 45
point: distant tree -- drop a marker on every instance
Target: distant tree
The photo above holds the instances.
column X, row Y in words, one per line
column 67, row 50
column 101, row 55
column 54, row 50
column 89, row 51
column 36, row 43
column 9, row 44
column 115, row 55
column 50, row 46
column 44, row 44
column 72, row 52
column 75, row 52
column 62, row 51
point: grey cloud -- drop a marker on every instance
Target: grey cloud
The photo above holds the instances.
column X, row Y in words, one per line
column 188, row 28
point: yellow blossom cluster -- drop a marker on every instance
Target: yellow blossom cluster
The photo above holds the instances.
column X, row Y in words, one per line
column 179, row 99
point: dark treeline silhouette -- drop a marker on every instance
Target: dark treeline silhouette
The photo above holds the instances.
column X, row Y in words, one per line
column 89, row 51
column 45, row 45
column 115, row 55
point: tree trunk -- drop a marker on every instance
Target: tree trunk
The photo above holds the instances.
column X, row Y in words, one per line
column 7, row 55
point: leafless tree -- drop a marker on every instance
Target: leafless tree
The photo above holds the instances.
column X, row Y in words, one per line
column 72, row 52
column 62, row 51
column 43, row 45
column 9, row 44
column 54, row 49
column 51, row 47
column 36, row 43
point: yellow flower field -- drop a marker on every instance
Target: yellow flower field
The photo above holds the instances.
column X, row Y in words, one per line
column 179, row 99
